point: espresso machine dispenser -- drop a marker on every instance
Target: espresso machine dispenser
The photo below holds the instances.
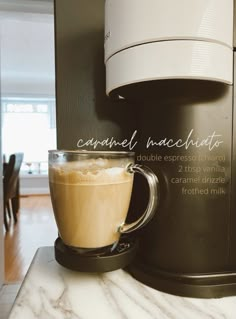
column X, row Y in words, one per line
column 169, row 89
column 174, row 59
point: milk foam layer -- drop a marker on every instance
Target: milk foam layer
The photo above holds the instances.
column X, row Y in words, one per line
column 96, row 171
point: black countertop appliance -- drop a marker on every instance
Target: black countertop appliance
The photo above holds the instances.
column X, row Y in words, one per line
column 167, row 84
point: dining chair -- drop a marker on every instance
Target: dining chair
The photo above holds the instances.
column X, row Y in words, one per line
column 11, row 187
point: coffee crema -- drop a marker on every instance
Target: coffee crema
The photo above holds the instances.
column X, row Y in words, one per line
column 90, row 201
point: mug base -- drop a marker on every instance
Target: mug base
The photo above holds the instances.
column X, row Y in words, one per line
column 120, row 257
column 101, row 251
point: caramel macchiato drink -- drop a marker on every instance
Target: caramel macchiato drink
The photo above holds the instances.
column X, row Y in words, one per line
column 90, row 201
column 90, row 194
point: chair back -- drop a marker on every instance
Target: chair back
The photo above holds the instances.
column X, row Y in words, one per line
column 11, row 175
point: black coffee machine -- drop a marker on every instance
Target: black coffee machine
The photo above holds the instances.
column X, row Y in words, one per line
column 181, row 114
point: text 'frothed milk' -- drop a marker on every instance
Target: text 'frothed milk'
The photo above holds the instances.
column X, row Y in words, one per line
column 90, row 199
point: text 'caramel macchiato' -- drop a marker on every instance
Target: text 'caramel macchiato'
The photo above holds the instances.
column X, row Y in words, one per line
column 90, row 201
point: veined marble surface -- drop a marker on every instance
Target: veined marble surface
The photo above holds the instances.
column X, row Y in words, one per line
column 50, row 291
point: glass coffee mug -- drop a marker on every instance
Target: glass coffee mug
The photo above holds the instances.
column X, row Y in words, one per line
column 90, row 194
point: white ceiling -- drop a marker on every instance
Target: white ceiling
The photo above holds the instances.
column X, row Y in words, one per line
column 27, row 47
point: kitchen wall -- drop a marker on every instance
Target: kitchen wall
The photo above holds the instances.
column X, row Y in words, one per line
column 27, row 54
column 22, row 73
column 1, row 214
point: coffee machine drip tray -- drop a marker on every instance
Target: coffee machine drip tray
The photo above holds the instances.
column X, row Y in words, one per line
column 120, row 257
column 208, row 285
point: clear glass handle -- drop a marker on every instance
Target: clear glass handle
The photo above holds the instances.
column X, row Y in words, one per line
column 154, row 196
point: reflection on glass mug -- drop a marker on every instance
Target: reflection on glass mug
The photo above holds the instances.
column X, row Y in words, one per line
column 90, row 193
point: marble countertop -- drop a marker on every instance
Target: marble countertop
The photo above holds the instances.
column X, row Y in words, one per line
column 50, row 291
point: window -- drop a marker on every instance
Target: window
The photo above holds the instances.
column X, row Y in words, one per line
column 29, row 126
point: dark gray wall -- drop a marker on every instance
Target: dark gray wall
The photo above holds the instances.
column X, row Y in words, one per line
column 83, row 110
column 234, row 24
column 233, row 193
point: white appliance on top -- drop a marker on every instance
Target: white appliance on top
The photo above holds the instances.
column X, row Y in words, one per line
column 168, row 39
